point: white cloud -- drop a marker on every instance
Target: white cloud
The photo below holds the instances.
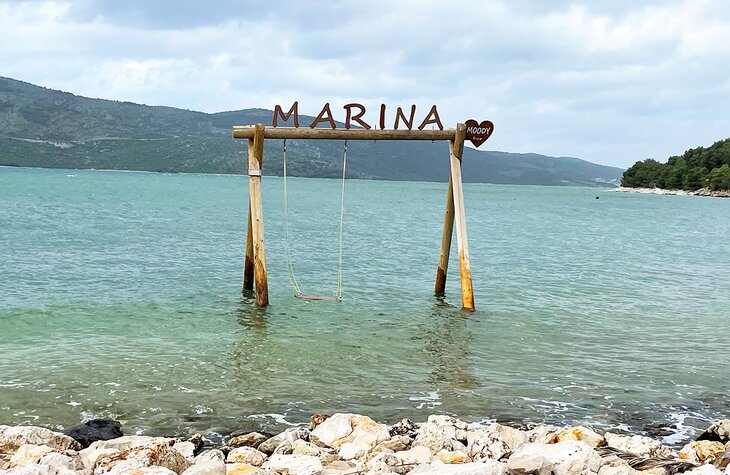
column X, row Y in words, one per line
column 612, row 83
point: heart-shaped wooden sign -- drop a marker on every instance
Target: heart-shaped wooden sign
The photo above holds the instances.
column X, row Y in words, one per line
column 478, row 133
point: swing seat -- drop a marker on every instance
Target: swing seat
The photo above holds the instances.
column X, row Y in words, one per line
column 317, row 297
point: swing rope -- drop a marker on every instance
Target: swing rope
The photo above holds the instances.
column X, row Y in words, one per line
column 292, row 278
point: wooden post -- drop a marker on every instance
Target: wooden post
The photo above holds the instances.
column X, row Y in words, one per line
column 248, row 263
column 467, row 291
column 446, row 235
column 255, row 161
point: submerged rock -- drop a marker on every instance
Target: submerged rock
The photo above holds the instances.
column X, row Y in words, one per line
column 94, row 430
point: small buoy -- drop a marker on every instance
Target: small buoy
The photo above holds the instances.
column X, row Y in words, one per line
column 598, row 197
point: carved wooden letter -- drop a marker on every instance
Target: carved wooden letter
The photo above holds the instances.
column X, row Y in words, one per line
column 399, row 115
column 428, row 120
column 321, row 117
column 279, row 112
column 382, row 116
column 356, row 117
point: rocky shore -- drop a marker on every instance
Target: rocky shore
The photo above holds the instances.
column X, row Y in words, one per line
column 353, row 444
column 660, row 191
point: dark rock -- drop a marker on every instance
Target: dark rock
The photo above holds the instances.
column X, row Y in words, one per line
column 96, row 429
column 404, row 427
column 198, row 442
column 717, row 432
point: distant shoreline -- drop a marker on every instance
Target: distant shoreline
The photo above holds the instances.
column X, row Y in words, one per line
column 597, row 186
column 661, row 191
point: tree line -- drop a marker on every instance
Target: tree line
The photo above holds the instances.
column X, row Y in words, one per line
column 701, row 167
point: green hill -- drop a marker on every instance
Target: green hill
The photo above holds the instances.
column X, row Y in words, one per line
column 41, row 127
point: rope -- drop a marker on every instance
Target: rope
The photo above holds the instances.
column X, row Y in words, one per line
column 338, row 293
column 292, row 278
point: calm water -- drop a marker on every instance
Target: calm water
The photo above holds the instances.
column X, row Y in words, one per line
column 120, row 297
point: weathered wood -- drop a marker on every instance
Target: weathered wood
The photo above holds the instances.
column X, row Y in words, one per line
column 467, row 291
column 447, row 233
column 255, row 161
column 248, row 266
column 247, row 132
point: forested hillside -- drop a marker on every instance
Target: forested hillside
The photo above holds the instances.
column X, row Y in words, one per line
column 41, row 127
column 697, row 168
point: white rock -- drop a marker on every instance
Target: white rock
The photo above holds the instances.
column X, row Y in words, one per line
column 704, row 470
column 294, row 464
column 28, row 454
column 158, row 454
column 33, row 469
column 417, row 455
column 379, row 462
column 147, row 471
column 563, row 458
column 130, row 441
column 186, row 449
column 453, row 457
column 397, row 443
column 437, row 437
column 616, row 467
column 543, row 434
column 352, row 435
column 339, row 467
column 638, row 445
column 494, row 442
column 301, row 447
column 206, row 467
column 12, row 437
column 90, row 456
column 247, row 455
column 582, row 434
column 282, row 440
column 485, row 467
column 60, row 464
column 460, row 428
column 702, row 451
column 213, row 455
column 336, row 427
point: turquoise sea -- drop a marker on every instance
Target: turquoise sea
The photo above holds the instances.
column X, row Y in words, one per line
column 120, row 296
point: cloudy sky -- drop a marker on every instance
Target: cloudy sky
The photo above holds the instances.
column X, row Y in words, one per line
column 610, row 82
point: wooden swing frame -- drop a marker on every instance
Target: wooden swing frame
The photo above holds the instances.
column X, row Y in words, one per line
column 254, row 269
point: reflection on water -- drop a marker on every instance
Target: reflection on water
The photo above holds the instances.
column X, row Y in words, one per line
column 447, row 342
